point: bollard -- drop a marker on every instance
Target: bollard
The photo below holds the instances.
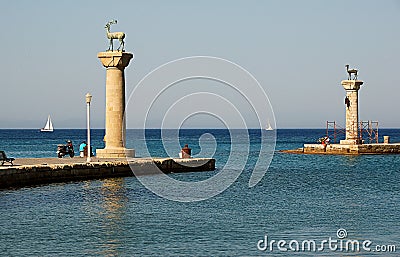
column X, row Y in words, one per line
column 386, row 139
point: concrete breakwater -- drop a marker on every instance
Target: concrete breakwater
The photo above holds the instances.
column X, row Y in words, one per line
column 347, row 149
column 35, row 171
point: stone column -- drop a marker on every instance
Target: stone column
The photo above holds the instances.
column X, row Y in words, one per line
column 351, row 87
column 115, row 62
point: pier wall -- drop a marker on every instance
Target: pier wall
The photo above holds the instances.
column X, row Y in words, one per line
column 348, row 149
column 28, row 175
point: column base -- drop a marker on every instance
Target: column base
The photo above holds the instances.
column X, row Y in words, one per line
column 115, row 153
column 349, row 142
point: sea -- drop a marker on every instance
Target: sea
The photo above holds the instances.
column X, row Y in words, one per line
column 305, row 205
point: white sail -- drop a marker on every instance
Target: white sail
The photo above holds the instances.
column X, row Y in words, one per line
column 49, row 125
column 269, row 126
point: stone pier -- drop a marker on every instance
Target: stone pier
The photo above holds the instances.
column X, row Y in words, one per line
column 36, row 171
column 347, row 149
column 115, row 63
column 351, row 87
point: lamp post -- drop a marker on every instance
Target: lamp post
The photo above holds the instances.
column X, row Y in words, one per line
column 89, row 150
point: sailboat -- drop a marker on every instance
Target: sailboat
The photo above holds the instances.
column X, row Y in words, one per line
column 269, row 126
column 48, row 127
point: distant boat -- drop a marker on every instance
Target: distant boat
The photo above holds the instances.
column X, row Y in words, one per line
column 48, row 127
column 269, row 126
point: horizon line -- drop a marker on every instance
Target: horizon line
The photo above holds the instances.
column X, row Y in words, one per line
column 187, row 128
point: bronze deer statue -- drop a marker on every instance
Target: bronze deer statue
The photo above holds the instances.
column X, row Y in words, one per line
column 115, row 35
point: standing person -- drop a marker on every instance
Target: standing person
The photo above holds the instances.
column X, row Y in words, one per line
column 327, row 140
column 82, row 149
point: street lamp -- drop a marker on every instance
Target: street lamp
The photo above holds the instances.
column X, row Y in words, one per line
column 89, row 150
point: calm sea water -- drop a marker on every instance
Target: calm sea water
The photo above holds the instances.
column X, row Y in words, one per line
column 301, row 197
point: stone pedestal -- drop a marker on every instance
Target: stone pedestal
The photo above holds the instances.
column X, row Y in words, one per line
column 115, row 62
column 351, row 87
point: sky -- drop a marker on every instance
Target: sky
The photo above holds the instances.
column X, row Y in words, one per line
column 296, row 50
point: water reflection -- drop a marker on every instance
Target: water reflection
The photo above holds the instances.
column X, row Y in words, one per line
column 106, row 204
column 114, row 198
column 351, row 160
column 113, row 205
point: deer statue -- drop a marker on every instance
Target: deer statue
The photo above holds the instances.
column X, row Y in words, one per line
column 351, row 71
column 115, row 35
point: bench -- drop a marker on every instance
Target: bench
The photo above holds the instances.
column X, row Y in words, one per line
column 4, row 158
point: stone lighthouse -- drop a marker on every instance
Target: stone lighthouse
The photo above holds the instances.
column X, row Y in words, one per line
column 351, row 85
column 115, row 63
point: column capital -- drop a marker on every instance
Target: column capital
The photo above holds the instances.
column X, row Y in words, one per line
column 352, row 84
column 115, row 59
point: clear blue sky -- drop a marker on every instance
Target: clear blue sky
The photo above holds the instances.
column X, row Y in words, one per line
column 296, row 50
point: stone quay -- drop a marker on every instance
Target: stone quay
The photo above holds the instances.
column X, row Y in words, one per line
column 347, row 149
column 37, row 171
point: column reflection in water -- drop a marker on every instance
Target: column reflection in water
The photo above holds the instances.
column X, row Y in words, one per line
column 112, row 213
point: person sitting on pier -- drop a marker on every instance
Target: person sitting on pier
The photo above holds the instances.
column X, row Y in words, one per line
column 186, row 152
column 82, row 149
